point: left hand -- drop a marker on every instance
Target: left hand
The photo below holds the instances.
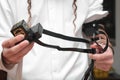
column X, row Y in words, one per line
column 103, row 61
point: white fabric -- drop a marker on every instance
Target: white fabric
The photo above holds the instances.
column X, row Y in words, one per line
column 43, row 63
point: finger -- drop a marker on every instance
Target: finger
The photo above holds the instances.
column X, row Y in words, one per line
column 11, row 42
column 93, row 45
column 98, row 48
column 103, row 56
column 8, row 52
column 103, row 67
column 107, row 62
column 100, row 57
column 16, row 58
column 17, row 48
column 21, row 54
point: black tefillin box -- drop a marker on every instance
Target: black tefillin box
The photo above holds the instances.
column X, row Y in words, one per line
column 30, row 34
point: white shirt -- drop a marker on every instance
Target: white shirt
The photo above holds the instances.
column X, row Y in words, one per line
column 43, row 63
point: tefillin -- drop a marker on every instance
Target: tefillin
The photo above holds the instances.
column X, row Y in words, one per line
column 90, row 30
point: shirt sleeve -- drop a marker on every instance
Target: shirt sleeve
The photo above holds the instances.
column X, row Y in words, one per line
column 95, row 11
column 6, row 22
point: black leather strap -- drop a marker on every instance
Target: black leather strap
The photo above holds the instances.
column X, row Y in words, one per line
column 73, row 39
column 65, row 49
column 50, row 33
column 91, row 29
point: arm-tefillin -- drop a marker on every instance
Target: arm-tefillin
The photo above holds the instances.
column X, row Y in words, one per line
column 30, row 34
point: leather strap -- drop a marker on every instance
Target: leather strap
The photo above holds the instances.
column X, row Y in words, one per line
column 34, row 33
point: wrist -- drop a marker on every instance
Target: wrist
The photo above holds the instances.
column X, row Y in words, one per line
column 5, row 63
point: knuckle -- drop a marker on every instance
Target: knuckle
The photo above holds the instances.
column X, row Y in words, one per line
column 13, row 61
column 98, row 58
column 11, row 51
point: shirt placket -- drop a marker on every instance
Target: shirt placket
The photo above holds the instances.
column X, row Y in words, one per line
column 54, row 58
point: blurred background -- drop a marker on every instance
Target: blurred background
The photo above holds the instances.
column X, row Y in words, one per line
column 117, row 34
column 113, row 29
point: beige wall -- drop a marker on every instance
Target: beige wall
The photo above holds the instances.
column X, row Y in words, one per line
column 117, row 47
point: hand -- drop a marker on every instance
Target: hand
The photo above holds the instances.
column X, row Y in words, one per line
column 103, row 61
column 12, row 53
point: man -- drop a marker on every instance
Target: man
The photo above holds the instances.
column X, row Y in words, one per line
column 30, row 61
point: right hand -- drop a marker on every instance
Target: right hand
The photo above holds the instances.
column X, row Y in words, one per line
column 12, row 53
